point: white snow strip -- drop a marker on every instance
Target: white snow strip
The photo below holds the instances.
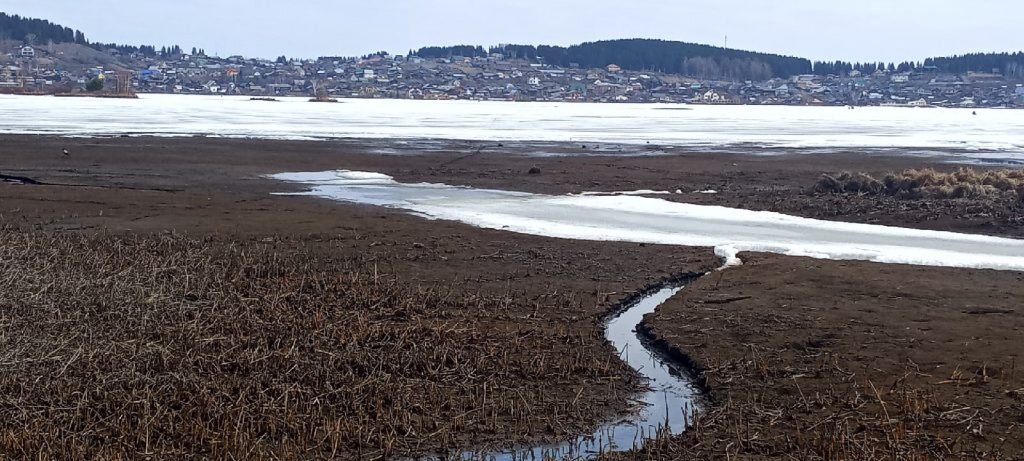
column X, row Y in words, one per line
column 654, row 220
column 627, row 192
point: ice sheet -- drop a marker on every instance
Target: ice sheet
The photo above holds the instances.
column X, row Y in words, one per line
column 655, row 220
column 990, row 136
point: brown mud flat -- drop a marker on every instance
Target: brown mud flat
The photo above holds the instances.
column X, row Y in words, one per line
column 542, row 297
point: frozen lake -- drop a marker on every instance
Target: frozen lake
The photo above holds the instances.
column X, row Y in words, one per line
column 992, row 134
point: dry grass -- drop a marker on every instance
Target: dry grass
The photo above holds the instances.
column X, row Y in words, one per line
column 928, row 183
column 849, row 361
column 169, row 347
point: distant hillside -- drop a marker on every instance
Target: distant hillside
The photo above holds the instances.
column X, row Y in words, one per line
column 14, row 27
column 1010, row 64
column 41, row 32
column 703, row 61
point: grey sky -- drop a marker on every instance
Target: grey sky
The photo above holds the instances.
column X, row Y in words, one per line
column 868, row 30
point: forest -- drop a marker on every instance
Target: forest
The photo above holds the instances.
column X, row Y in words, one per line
column 1010, row 65
column 709, row 62
column 36, row 32
column 671, row 57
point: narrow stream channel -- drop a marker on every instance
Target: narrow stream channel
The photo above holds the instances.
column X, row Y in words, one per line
column 666, row 408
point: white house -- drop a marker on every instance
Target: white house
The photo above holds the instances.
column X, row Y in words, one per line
column 533, row 81
column 28, row 52
column 712, row 97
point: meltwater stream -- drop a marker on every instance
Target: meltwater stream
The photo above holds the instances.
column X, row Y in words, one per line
column 667, row 407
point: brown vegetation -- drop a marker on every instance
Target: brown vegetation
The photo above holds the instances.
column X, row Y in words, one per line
column 928, row 183
column 168, row 346
column 823, row 360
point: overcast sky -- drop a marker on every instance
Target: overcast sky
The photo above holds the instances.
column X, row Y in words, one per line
column 855, row 30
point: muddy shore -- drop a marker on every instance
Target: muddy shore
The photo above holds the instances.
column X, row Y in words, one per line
column 898, row 328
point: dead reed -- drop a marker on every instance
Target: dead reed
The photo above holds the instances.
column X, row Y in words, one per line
column 170, row 347
column 820, row 362
column 927, row 183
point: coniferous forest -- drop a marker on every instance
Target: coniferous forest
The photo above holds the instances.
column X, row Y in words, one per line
column 645, row 55
column 706, row 61
column 40, row 32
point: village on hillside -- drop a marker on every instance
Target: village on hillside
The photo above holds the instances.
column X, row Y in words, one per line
column 66, row 68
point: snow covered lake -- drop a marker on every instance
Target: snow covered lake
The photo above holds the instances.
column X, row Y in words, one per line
column 992, row 134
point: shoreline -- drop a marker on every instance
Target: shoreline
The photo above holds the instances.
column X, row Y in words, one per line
column 574, row 102
column 547, row 149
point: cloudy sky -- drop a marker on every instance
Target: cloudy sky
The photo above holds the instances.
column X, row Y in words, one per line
column 868, row 30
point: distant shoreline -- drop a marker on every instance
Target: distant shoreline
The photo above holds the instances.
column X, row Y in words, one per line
column 581, row 102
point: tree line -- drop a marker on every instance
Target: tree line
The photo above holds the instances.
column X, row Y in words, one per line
column 844, row 67
column 34, row 32
column 644, row 55
column 14, row 27
column 1009, row 64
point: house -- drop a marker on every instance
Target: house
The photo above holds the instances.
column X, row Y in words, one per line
column 533, row 81
column 614, row 68
column 28, row 52
column 711, row 97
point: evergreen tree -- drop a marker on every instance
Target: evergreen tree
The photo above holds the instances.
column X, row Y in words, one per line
column 94, row 85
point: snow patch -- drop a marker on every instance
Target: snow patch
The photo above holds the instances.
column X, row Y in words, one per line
column 642, row 219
